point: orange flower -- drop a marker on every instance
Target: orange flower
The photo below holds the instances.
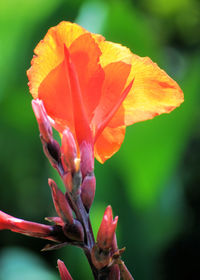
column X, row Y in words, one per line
column 96, row 88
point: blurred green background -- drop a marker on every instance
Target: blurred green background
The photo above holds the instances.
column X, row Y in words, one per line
column 152, row 183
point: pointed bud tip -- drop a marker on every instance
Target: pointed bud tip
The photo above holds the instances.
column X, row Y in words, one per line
column 52, row 183
column 106, row 232
column 115, row 220
column 108, row 215
column 36, row 105
column 64, row 273
column 42, row 119
column 61, row 204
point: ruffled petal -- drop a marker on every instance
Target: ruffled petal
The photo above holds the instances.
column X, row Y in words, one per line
column 104, row 73
column 109, row 143
column 112, row 52
column 49, row 52
column 153, row 92
column 55, row 93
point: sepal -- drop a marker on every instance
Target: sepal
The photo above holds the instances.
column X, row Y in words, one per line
column 64, row 273
column 87, row 158
column 88, row 191
column 28, row 228
column 52, row 152
column 43, row 121
column 74, row 231
column 61, row 204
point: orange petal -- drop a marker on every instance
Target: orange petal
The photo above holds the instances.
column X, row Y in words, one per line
column 116, row 75
column 81, row 122
column 55, row 93
column 153, row 92
column 109, row 143
column 85, row 54
column 49, row 52
column 112, row 52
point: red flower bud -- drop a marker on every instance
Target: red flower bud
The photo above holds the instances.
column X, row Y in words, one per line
column 68, row 151
column 61, row 204
column 64, row 273
column 42, row 119
column 88, row 191
column 52, row 152
column 26, row 227
column 106, row 233
column 87, row 158
column 74, row 231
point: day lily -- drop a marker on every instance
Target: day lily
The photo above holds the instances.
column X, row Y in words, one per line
column 95, row 88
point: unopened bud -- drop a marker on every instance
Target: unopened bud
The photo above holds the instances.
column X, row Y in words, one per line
column 61, row 204
column 106, row 233
column 68, row 151
column 42, row 119
column 87, row 158
column 88, row 191
column 74, row 231
column 27, row 227
column 64, row 273
column 52, row 152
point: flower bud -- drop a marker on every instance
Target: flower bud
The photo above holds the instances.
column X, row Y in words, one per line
column 61, row 204
column 27, row 228
column 52, row 152
column 42, row 119
column 88, row 191
column 74, row 231
column 106, row 233
column 87, row 158
column 68, row 151
column 64, row 273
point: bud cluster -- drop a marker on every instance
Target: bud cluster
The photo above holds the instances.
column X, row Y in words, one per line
column 75, row 164
column 105, row 251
